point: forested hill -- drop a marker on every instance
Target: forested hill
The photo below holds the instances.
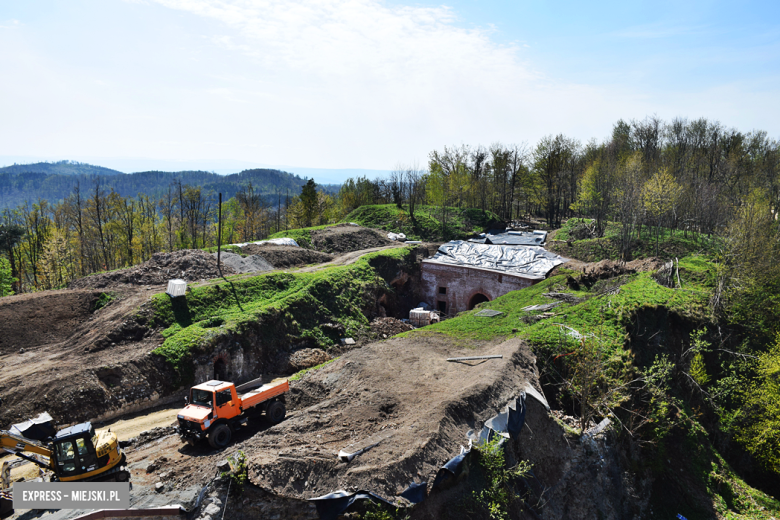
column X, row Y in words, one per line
column 59, row 168
column 16, row 188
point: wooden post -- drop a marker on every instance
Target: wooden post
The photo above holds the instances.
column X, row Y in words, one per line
column 219, row 235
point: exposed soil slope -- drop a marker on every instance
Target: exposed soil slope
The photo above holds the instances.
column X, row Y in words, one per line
column 401, row 393
column 344, row 238
column 188, row 264
column 29, row 321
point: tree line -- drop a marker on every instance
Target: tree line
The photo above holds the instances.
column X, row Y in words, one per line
column 686, row 176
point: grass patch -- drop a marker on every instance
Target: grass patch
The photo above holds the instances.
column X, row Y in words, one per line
column 301, row 373
column 427, row 225
column 276, row 308
column 671, row 243
column 103, row 299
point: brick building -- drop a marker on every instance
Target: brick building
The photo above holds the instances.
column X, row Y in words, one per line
column 462, row 275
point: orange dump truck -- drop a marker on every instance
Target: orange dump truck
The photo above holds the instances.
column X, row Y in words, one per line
column 215, row 409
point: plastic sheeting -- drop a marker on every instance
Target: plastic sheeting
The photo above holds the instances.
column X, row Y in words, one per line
column 39, row 428
column 512, row 238
column 273, row 241
column 526, row 261
column 330, row 506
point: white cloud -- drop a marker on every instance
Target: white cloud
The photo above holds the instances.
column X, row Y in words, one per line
column 395, row 81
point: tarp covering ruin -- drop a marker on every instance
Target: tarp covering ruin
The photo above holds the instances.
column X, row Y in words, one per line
column 530, row 262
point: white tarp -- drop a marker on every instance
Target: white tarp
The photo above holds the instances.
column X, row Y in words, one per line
column 530, row 261
column 273, row 241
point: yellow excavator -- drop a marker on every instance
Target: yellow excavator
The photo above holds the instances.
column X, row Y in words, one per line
column 74, row 454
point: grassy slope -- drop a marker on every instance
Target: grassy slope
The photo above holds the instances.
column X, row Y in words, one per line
column 461, row 223
column 607, row 317
column 282, row 307
column 671, row 243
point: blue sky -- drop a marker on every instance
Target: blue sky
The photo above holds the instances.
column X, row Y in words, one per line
column 336, row 84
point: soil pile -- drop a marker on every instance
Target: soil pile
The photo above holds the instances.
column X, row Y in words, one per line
column 401, row 394
column 307, row 358
column 29, row 321
column 344, row 238
column 281, row 257
column 191, row 265
column 605, row 269
column 387, row 327
column 247, row 264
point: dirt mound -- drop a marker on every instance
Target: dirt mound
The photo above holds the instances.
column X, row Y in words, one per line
column 307, row 358
column 188, row 264
column 605, row 269
column 241, row 264
column 400, row 393
column 286, row 256
column 344, row 238
column 387, row 327
column 28, row 321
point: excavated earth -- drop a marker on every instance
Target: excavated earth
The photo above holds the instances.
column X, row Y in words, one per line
column 79, row 361
column 282, row 257
column 344, row 238
column 187, row 264
column 402, row 393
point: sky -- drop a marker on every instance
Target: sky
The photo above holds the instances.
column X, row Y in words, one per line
column 345, row 86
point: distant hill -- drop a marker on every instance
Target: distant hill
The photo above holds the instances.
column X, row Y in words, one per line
column 16, row 188
column 59, row 168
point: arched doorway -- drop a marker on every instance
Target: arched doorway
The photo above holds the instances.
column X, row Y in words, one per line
column 477, row 299
column 220, row 370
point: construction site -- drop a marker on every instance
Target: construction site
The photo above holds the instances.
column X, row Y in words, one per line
column 367, row 379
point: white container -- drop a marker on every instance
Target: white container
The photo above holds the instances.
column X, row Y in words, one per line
column 419, row 317
column 176, row 288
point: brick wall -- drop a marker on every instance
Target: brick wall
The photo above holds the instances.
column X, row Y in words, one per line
column 459, row 287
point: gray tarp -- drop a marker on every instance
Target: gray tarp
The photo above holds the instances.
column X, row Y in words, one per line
column 528, row 261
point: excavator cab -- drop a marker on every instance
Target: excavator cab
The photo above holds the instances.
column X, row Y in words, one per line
column 80, row 453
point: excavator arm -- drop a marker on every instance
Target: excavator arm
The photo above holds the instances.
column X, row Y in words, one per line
column 17, row 444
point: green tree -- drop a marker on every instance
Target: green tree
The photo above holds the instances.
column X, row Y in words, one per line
column 309, row 202
column 759, row 422
column 660, row 195
column 6, row 280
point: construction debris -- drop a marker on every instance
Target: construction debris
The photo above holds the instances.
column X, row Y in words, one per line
column 248, row 264
column 564, row 297
column 543, row 307
column 419, row 317
column 489, row 313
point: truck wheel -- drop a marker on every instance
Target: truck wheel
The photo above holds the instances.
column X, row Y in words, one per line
column 275, row 412
column 220, row 437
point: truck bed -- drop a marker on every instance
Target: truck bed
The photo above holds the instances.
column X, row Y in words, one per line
column 264, row 393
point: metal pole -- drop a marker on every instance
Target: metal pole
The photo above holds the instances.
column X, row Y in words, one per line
column 470, row 358
column 219, row 235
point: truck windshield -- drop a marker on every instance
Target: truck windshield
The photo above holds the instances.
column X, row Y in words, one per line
column 202, row 397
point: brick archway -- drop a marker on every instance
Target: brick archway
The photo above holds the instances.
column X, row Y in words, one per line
column 220, row 367
column 477, row 298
